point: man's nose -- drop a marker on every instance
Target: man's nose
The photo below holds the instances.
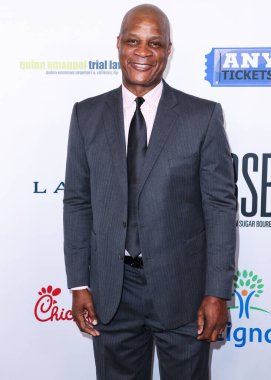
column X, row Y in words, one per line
column 143, row 50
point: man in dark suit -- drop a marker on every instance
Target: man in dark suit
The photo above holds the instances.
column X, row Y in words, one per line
column 149, row 215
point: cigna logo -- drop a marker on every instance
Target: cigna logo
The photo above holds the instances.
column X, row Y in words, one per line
column 248, row 287
column 47, row 309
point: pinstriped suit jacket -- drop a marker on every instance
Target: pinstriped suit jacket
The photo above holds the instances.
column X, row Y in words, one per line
column 186, row 204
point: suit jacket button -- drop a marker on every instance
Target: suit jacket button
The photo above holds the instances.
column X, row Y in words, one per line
column 124, row 224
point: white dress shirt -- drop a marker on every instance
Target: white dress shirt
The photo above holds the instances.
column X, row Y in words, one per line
column 148, row 109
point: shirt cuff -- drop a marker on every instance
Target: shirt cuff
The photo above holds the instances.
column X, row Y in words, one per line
column 80, row 287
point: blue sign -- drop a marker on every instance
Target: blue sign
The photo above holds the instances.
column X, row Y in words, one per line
column 239, row 67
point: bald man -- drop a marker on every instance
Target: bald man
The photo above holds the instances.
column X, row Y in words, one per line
column 149, row 216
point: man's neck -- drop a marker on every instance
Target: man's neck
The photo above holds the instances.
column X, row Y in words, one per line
column 140, row 91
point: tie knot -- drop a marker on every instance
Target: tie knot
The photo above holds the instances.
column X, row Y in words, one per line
column 139, row 101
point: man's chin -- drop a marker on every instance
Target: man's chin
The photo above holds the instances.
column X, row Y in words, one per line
column 144, row 81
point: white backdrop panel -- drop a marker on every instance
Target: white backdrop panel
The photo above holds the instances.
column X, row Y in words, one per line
column 36, row 108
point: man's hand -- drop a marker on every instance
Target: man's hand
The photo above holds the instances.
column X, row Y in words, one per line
column 83, row 311
column 212, row 318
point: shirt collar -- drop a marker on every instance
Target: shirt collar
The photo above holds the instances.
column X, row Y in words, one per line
column 151, row 98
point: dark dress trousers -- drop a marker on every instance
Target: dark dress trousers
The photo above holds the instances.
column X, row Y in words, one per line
column 186, row 206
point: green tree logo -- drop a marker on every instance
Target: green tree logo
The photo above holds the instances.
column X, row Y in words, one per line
column 247, row 285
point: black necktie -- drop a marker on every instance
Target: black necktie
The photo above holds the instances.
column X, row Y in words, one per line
column 136, row 150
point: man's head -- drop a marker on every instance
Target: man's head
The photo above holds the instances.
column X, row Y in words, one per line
column 144, row 46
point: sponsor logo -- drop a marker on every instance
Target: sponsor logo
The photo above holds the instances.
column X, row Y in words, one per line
column 47, row 309
column 252, row 176
column 248, row 287
column 239, row 67
column 84, row 67
column 39, row 189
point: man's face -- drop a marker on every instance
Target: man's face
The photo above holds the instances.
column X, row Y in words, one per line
column 144, row 46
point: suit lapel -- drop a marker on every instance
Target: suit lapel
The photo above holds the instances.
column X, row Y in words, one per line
column 114, row 127
column 164, row 120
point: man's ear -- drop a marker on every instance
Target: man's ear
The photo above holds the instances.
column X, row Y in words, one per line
column 169, row 48
column 118, row 42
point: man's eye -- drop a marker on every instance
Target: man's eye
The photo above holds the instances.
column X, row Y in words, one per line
column 155, row 44
column 132, row 42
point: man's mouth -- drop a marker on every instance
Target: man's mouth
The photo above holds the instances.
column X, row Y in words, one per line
column 140, row 66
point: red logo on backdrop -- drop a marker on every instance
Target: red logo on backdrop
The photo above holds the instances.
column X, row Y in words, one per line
column 46, row 308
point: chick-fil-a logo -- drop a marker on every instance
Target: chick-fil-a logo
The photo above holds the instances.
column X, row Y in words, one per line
column 46, row 308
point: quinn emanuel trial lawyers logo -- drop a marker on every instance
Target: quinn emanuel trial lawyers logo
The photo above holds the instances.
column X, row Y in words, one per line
column 248, row 286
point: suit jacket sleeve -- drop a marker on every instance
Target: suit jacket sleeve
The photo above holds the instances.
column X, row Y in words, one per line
column 77, row 215
column 219, row 206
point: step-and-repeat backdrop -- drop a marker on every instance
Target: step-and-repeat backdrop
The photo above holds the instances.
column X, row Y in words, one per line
column 55, row 53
